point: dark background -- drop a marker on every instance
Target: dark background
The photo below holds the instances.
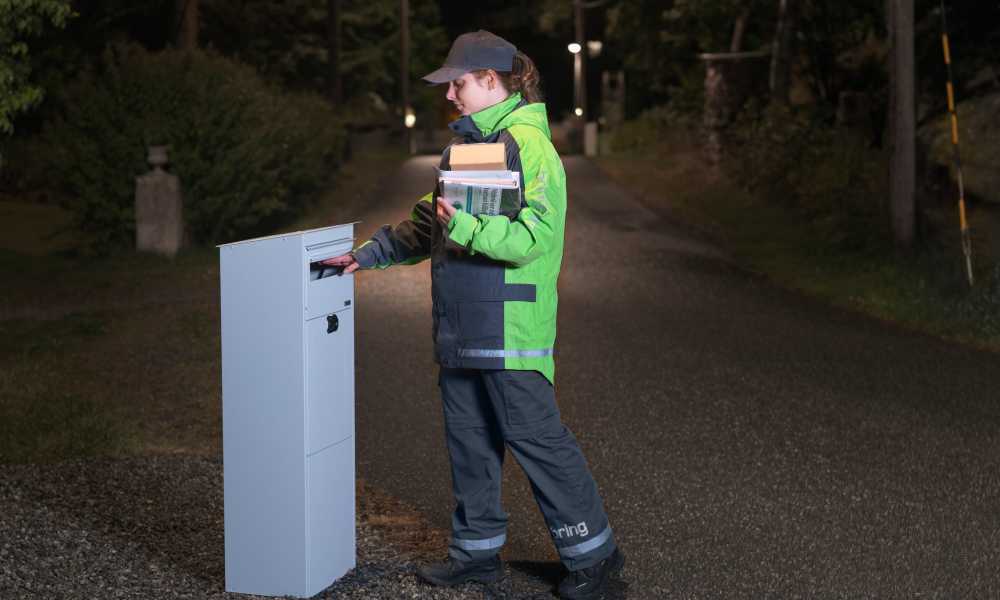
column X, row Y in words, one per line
column 517, row 22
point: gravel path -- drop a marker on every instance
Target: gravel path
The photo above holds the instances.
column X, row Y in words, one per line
column 152, row 527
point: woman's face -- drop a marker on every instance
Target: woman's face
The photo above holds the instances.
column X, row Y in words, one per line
column 470, row 94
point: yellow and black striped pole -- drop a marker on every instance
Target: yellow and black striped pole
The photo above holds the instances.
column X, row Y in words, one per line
column 963, row 221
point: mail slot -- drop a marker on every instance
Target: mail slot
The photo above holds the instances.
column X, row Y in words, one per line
column 288, row 412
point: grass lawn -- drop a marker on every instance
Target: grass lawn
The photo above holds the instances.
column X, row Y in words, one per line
column 120, row 355
column 925, row 291
column 33, row 229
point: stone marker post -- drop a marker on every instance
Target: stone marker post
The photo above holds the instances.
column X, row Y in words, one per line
column 159, row 219
column 729, row 80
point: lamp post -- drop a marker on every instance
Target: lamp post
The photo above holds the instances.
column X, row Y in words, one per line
column 586, row 132
column 579, row 71
column 576, row 128
column 578, row 97
column 404, row 72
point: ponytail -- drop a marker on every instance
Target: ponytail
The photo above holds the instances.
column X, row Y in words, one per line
column 523, row 78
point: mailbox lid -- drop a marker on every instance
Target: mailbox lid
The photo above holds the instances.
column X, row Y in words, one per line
column 312, row 238
column 326, row 249
column 309, row 235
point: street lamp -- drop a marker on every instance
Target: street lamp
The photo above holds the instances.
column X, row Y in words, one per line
column 577, row 50
column 409, row 120
column 579, row 75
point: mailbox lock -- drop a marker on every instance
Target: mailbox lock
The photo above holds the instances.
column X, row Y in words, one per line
column 332, row 323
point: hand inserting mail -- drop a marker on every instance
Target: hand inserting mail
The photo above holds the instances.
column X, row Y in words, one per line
column 344, row 260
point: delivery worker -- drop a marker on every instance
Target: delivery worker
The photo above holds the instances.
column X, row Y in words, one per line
column 494, row 298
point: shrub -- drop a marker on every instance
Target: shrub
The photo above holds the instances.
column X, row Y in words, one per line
column 249, row 157
column 15, row 166
column 651, row 127
column 831, row 176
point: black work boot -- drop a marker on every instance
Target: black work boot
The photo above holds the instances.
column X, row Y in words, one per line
column 457, row 572
column 592, row 581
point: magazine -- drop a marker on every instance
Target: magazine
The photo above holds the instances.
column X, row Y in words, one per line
column 482, row 192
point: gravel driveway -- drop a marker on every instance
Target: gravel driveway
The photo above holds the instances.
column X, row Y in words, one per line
column 152, row 527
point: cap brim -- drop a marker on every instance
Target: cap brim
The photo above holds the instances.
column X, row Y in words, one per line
column 445, row 74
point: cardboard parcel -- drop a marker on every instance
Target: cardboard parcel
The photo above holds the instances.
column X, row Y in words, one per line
column 479, row 181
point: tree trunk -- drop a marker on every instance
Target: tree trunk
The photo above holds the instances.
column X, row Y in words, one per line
column 902, row 122
column 715, row 116
column 404, row 73
column 334, row 81
column 404, row 58
column 187, row 24
column 781, row 51
column 581, row 38
column 739, row 28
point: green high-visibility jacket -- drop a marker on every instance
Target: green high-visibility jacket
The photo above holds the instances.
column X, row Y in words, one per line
column 494, row 277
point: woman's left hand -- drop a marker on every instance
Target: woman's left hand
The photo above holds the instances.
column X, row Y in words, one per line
column 445, row 211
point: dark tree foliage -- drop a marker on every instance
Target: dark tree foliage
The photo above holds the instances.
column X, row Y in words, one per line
column 840, row 46
column 249, row 156
column 639, row 34
column 658, row 42
column 20, row 22
column 287, row 41
column 63, row 54
column 975, row 37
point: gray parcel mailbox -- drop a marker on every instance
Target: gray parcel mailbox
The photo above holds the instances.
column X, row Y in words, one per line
column 287, row 412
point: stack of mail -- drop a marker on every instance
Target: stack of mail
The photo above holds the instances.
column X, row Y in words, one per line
column 479, row 182
column 482, row 192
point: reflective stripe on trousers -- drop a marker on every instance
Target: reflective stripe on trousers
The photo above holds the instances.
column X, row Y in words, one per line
column 584, row 547
column 487, row 544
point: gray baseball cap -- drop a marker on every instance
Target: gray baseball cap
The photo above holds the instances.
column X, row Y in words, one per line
column 472, row 52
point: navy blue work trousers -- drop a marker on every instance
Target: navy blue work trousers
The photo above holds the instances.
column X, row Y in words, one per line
column 486, row 411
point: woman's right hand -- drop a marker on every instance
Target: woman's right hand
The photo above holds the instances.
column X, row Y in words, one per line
column 345, row 260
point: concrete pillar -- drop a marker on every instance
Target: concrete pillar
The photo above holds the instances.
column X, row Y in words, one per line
column 730, row 78
column 590, row 139
column 159, row 219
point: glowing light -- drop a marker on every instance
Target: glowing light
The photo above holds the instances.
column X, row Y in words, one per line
column 578, row 111
column 410, row 119
column 574, row 48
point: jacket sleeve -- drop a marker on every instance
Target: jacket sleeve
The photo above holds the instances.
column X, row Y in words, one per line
column 405, row 244
column 537, row 226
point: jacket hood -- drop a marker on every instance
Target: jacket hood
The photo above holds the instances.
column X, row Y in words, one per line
column 512, row 111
